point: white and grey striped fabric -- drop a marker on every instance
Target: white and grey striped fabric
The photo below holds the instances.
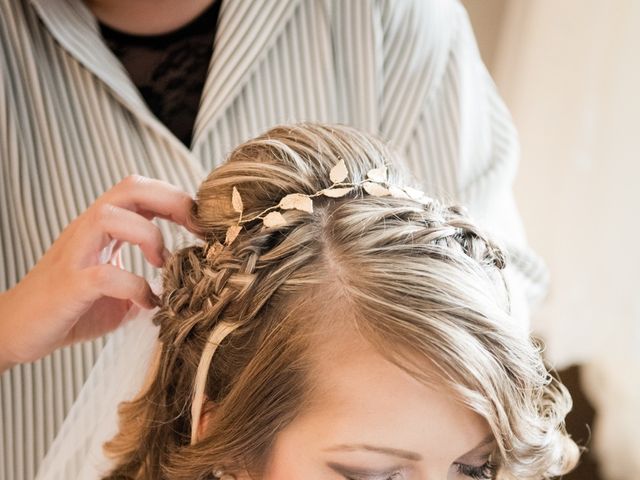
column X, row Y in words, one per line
column 72, row 124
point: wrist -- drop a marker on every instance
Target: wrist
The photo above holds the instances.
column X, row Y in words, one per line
column 6, row 360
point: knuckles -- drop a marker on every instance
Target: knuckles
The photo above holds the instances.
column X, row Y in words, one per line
column 104, row 212
column 100, row 276
column 132, row 181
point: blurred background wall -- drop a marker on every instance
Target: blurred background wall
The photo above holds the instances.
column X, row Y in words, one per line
column 569, row 72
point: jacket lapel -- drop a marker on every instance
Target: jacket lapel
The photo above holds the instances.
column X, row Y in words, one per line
column 73, row 25
column 247, row 29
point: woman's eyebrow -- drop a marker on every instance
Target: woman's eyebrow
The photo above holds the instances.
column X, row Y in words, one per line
column 413, row 456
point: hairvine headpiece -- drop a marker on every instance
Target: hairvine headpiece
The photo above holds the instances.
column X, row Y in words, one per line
column 375, row 184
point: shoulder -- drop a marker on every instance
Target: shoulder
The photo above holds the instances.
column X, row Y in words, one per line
column 431, row 24
column 419, row 37
column 437, row 18
column 422, row 32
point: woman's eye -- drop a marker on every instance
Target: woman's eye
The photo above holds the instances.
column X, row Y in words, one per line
column 483, row 472
column 393, row 476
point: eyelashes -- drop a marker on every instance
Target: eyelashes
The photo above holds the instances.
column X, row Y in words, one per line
column 397, row 475
column 487, row 471
column 484, row 472
column 393, row 476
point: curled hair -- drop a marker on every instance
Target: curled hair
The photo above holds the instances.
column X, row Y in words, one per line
column 420, row 281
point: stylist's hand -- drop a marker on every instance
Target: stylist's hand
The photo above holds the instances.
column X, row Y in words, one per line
column 78, row 290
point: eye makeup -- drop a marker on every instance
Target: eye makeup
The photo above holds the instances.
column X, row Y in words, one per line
column 487, row 471
column 483, row 472
column 350, row 473
column 466, row 465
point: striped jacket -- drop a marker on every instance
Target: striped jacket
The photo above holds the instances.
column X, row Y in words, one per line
column 72, row 124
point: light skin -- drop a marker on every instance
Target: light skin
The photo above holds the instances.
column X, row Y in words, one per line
column 147, row 17
column 79, row 289
column 373, row 421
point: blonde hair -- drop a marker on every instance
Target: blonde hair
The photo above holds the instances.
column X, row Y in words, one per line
column 421, row 282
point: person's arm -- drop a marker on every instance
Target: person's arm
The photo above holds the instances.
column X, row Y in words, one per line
column 5, row 356
column 463, row 134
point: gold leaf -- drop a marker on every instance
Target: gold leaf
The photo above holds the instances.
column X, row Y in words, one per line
column 375, row 189
column 378, row 174
column 236, row 200
column 397, row 192
column 336, row 192
column 339, row 172
column 297, row 201
column 232, row 233
column 273, row 219
column 214, row 250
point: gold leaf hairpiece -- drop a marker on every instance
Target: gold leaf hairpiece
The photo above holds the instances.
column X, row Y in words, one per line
column 236, row 200
column 375, row 184
column 339, row 172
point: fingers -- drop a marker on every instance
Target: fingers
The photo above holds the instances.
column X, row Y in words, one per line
column 65, row 292
column 124, row 214
column 151, row 196
column 110, row 281
column 114, row 222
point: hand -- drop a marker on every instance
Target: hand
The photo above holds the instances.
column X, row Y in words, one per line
column 78, row 290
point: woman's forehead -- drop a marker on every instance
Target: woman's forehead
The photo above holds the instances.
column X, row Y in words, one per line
column 360, row 395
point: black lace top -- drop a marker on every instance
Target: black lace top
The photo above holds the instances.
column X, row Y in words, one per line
column 169, row 69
